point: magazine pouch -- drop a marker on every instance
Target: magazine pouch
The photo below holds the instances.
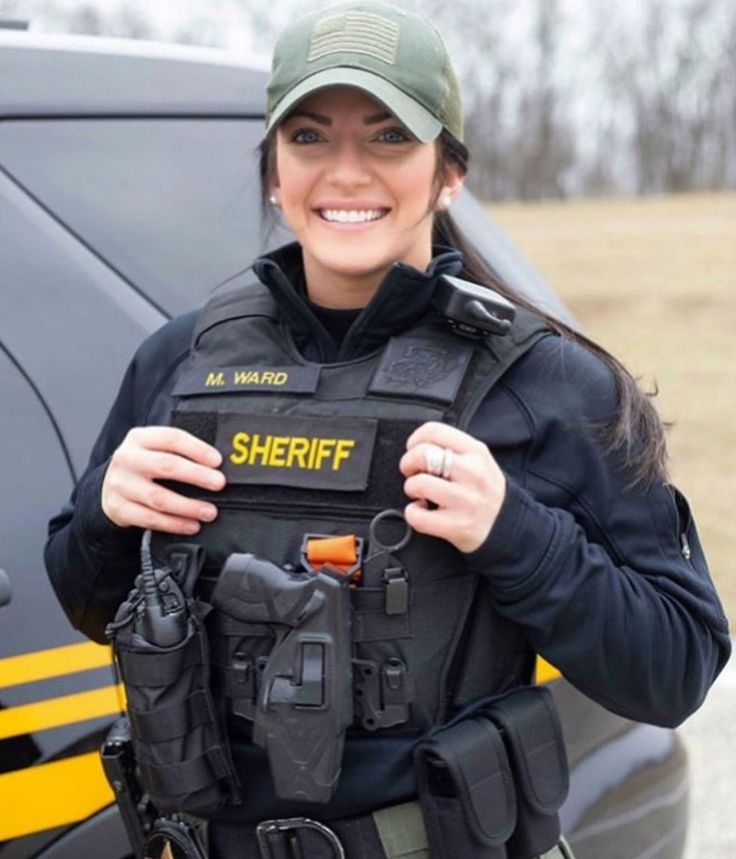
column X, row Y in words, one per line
column 528, row 722
column 466, row 791
column 183, row 758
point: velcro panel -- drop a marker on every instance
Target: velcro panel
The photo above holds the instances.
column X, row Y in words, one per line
column 384, row 489
column 281, row 450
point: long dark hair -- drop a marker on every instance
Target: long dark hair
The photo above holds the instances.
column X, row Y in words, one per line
column 636, row 431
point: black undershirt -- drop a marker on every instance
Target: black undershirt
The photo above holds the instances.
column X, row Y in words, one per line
column 337, row 321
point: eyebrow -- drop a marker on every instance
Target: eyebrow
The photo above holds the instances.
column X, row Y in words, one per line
column 321, row 119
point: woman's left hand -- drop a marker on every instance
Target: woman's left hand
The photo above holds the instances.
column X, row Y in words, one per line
column 467, row 499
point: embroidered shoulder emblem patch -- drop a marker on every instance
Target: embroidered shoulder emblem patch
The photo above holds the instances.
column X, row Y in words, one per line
column 421, row 368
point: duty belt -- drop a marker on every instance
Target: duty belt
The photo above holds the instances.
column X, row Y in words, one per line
column 396, row 832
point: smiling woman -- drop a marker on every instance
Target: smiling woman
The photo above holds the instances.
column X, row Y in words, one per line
column 372, row 501
column 359, row 191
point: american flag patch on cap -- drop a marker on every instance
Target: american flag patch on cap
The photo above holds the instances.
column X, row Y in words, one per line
column 358, row 33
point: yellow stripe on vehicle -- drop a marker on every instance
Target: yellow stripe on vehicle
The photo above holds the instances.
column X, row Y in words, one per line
column 546, row 672
column 53, row 794
column 42, row 715
column 55, row 662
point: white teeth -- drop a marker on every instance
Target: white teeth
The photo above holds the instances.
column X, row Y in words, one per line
column 352, row 216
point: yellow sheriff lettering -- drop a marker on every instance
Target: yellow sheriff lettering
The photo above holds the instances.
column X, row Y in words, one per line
column 260, row 450
column 277, row 459
column 298, row 451
column 278, row 451
column 342, row 452
column 240, row 448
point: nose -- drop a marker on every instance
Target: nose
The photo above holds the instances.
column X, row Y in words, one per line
column 348, row 168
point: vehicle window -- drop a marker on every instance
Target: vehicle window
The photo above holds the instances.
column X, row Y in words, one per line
column 172, row 204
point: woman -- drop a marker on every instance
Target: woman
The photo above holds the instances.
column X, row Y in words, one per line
column 540, row 516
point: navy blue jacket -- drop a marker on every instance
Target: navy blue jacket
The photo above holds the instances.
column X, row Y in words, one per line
column 607, row 582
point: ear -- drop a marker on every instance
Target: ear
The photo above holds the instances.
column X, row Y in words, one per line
column 452, row 185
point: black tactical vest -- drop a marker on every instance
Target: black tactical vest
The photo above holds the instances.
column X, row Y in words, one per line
column 311, row 448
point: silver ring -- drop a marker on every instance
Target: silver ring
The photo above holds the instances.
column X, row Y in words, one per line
column 447, row 462
column 434, row 460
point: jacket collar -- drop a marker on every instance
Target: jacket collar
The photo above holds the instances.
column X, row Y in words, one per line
column 404, row 297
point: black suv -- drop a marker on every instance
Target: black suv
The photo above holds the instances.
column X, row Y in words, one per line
column 128, row 191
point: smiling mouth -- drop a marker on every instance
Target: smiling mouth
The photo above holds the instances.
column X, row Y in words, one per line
column 352, row 216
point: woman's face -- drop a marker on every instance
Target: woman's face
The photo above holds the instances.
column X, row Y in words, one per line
column 357, row 190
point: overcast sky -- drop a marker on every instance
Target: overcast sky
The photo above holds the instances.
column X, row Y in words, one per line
column 224, row 21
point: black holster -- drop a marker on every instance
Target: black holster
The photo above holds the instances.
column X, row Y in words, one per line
column 183, row 758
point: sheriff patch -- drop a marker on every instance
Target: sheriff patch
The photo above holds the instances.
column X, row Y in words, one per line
column 232, row 380
column 312, row 453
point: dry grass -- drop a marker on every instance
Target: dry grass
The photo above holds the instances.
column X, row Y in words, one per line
column 654, row 282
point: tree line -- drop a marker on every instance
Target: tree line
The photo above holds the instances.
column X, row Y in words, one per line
column 563, row 98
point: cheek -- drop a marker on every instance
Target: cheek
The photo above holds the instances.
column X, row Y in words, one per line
column 294, row 184
column 417, row 181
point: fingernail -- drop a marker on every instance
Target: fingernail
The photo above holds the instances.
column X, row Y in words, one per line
column 208, row 513
column 215, row 458
column 217, row 482
column 192, row 528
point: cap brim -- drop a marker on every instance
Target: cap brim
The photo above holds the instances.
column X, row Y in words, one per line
column 416, row 118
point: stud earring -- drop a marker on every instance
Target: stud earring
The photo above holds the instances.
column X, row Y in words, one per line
column 275, row 199
column 445, row 199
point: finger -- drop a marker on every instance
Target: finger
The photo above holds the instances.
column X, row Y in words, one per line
column 435, row 523
column 162, row 500
column 433, row 432
column 441, row 492
column 175, row 440
column 414, row 461
column 158, row 465
column 463, row 468
column 143, row 517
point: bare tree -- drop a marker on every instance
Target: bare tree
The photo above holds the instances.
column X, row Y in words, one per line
column 559, row 99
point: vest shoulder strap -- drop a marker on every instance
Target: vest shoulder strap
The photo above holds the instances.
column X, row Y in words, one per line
column 493, row 357
column 253, row 299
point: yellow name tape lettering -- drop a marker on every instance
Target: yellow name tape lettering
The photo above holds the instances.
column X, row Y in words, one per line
column 214, row 380
column 253, row 377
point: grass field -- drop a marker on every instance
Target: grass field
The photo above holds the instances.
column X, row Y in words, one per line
column 653, row 280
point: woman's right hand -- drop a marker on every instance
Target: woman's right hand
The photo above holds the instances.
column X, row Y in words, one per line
column 132, row 497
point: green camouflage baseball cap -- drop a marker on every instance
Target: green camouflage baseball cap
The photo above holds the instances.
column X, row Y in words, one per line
column 394, row 55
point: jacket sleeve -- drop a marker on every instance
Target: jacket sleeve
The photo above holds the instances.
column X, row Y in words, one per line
column 607, row 577
column 92, row 562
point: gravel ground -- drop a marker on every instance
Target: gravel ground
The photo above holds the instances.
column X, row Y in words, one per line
column 710, row 736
